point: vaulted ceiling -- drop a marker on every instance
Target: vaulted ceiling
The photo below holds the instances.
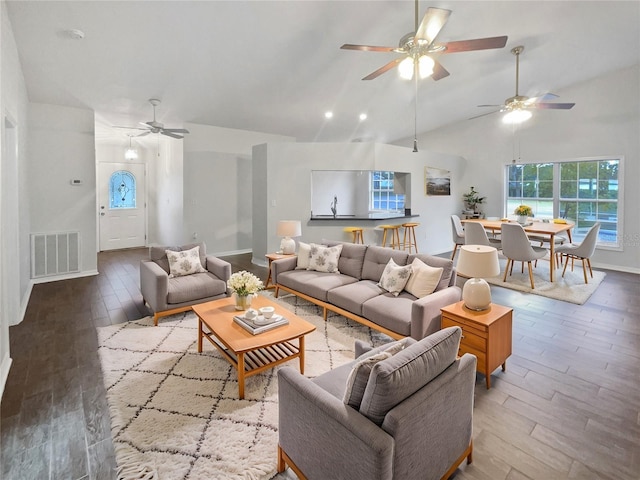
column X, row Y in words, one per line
column 276, row 66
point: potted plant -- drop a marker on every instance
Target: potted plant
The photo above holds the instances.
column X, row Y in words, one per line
column 522, row 212
column 472, row 199
column 244, row 285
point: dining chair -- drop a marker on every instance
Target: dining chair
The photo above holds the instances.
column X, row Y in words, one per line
column 581, row 251
column 475, row 234
column 517, row 248
column 457, row 233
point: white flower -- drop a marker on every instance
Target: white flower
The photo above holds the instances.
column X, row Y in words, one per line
column 245, row 283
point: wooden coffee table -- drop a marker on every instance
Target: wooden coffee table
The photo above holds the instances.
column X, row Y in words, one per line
column 251, row 354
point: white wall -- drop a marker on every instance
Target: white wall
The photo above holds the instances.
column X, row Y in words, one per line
column 61, row 148
column 605, row 121
column 217, row 184
column 286, row 193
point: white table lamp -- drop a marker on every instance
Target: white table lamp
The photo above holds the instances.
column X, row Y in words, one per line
column 287, row 229
column 477, row 261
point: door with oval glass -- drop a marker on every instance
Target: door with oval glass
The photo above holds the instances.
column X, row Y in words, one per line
column 121, row 207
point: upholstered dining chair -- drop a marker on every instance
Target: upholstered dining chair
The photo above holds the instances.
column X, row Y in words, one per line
column 582, row 251
column 517, row 248
column 457, row 233
column 475, row 234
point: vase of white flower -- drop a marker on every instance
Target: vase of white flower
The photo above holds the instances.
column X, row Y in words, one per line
column 245, row 286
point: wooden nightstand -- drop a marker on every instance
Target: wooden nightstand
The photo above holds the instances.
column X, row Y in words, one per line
column 271, row 257
column 485, row 334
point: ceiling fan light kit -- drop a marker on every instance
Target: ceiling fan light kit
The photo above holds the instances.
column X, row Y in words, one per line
column 130, row 153
column 418, row 48
column 518, row 108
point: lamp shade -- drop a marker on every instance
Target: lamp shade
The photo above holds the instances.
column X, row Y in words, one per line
column 477, row 261
column 287, row 229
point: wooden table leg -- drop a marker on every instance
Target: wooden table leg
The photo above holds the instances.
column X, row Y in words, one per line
column 200, row 326
column 241, row 375
column 552, row 260
column 504, row 366
column 301, row 348
column 488, row 378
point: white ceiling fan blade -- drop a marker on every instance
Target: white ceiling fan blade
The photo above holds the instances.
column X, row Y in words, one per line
column 144, row 134
column 176, row 130
column 169, row 134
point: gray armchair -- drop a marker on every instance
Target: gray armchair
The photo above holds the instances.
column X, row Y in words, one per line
column 409, row 416
column 166, row 295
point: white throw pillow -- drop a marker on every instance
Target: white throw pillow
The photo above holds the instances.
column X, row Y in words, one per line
column 394, row 277
column 324, row 259
column 358, row 378
column 424, row 279
column 185, row 262
column 304, row 255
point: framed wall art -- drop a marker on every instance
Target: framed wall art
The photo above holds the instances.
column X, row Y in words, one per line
column 437, row 182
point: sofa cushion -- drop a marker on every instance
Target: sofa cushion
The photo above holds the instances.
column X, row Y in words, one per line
column 186, row 262
column 394, row 277
column 159, row 256
column 393, row 380
column 351, row 257
column 390, row 312
column 314, row 284
column 444, row 263
column 423, row 280
column 376, row 259
column 324, row 259
column 193, row 287
column 351, row 297
column 304, row 255
column 358, row 378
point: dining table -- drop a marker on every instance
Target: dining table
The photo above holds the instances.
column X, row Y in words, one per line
column 550, row 229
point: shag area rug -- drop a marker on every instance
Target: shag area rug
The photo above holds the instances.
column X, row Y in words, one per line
column 570, row 289
column 175, row 413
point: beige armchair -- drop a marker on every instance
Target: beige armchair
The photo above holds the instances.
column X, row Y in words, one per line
column 166, row 294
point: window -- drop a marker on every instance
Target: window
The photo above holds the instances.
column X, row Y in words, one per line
column 122, row 190
column 382, row 194
column 583, row 191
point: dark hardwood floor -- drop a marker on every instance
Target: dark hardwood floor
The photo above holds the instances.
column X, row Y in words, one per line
column 568, row 405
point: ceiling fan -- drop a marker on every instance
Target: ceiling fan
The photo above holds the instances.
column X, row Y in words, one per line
column 518, row 107
column 157, row 127
column 420, row 46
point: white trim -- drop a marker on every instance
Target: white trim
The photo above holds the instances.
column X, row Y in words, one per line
column 616, row 268
column 4, row 372
column 232, row 252
column 24, row 303
column 68, row 276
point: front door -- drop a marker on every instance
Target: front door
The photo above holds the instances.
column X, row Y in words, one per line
column 122, row 205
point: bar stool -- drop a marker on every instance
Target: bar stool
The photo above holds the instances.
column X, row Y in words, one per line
column 395, row 235
column 410, row 232
column 356, row 233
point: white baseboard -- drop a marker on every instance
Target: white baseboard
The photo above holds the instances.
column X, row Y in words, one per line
column 616, row 268
column 24, row 303
column 68, row 276
column 231, row 252
column 4, row 372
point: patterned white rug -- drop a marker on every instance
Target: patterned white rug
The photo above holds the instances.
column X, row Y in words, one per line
column 175, row 413
column 570, row 289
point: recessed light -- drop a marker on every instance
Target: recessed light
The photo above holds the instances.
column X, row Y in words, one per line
column 328, row 114
column 363, row 116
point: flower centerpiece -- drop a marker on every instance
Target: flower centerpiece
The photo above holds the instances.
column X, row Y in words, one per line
column 244, row 285
column 522, row 212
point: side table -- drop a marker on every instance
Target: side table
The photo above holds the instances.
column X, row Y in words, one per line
column 271, row 257
column 486, row 334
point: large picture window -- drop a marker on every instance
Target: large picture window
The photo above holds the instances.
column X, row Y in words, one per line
column 382, row 193
column 582, row 191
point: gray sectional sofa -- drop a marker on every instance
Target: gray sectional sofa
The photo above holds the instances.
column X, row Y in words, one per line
column 355, row 294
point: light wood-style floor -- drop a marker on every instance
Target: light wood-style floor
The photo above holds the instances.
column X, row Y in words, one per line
column 568, row 405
